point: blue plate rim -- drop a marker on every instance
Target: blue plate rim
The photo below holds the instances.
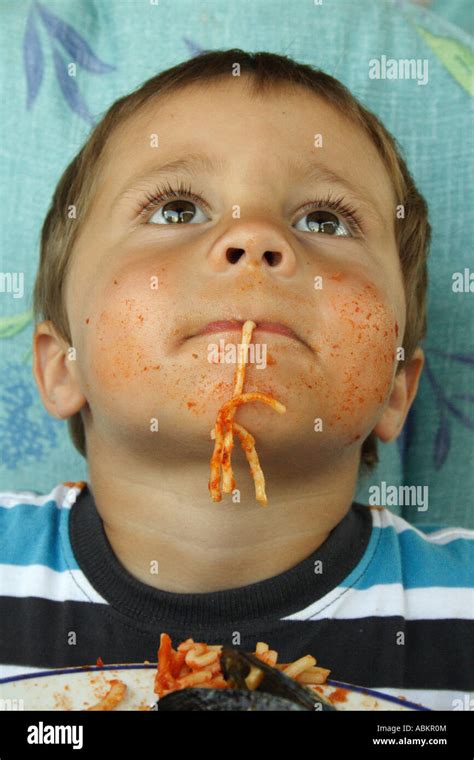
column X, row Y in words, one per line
column 379, row 695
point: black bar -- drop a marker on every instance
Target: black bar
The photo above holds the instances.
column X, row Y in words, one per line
column 446, row 734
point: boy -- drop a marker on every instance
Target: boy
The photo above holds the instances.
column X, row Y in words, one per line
column 228, row 189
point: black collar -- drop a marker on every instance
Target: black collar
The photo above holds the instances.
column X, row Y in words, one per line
column 274, row 597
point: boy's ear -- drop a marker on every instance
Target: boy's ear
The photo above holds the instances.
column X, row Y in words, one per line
column 403, row 393
column 55, row 373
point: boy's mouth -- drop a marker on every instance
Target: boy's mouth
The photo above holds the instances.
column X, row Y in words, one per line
column 261, row 326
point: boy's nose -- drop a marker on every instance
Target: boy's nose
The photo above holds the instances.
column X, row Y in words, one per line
column 254, row 247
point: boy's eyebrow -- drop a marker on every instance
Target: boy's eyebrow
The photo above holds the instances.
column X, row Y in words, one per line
column 308, row 171
column 316, row 172
column 190, row 164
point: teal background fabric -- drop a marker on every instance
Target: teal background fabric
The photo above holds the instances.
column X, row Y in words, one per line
column 46, row 116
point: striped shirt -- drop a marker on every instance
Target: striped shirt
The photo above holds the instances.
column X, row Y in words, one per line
column 380, row 603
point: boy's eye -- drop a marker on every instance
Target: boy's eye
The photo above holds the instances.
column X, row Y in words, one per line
column 172, row 205
column 325, row 222
column 177, row 212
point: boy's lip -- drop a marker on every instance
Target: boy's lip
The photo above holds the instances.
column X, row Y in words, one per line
column 236, row 324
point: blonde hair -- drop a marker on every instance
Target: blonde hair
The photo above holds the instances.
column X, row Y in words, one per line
column 78, row 183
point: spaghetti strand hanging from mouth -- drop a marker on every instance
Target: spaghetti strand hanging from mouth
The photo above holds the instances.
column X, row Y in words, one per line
column 225, row 427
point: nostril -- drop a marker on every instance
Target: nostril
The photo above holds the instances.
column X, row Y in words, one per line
column 273, row 258
column 234, row 254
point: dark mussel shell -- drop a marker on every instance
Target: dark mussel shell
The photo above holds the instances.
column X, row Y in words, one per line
column 236, row 666
column 198, row 698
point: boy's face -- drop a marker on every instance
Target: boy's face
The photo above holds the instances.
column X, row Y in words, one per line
column 138, row 354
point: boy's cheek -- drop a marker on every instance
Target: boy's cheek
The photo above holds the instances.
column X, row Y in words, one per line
column 123, row 344
column 365, row 324
column 127, row 328
column 357, row 351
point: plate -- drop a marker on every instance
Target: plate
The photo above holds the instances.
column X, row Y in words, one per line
column 82, row 687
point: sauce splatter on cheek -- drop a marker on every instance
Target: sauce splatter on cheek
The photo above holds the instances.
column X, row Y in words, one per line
column 358, row 355
column 121, row 351
column 129, row 361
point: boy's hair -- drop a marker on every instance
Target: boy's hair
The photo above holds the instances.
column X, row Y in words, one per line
column 266, row 71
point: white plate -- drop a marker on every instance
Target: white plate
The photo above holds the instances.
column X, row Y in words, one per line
column 80, row 688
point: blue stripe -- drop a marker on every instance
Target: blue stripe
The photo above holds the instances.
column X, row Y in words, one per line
column 30, row 535
column 408, row 559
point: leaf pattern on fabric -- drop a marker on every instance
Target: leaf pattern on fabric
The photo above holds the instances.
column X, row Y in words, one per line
column 70, row 89
column 442, row 442
column 33, row 59
column 405, row 439
column 454, row 56
column 10, row 326
column 74, row 45
column 193, row 47
column 27, row 432
column 446, row 407
column 72, row 42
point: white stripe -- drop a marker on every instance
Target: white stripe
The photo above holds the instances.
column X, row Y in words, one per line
column 439, row 699
column 446, row 535
column 41, row 581
column 64, row 496
column 433, row 603
column 382, row 600
column 7, row 671
column 388, row 519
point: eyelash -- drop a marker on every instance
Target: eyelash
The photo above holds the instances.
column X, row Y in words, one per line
column 165, row 192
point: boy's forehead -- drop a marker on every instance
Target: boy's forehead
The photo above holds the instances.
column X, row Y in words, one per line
column 284, row 132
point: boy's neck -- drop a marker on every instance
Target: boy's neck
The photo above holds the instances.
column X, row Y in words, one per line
column 169, row 534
